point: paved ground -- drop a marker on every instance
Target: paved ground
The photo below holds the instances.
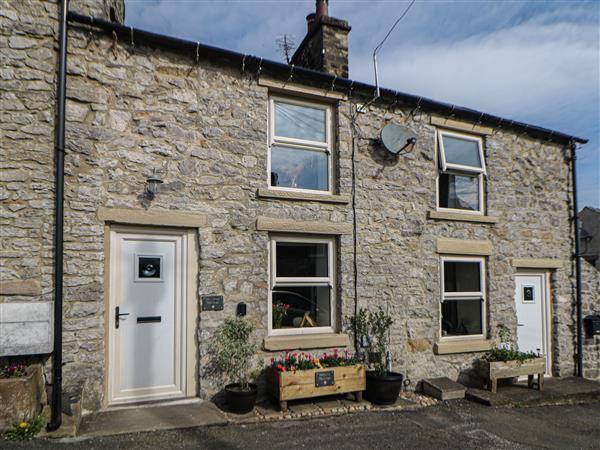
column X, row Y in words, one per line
column 458, row 424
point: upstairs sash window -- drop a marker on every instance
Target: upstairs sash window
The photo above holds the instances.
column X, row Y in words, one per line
column 462, row 168
column 300, row 146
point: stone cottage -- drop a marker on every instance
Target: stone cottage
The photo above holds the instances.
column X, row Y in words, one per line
column 200, row 181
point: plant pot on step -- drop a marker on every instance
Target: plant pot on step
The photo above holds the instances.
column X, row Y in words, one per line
column 241, row 401
column 383, row 389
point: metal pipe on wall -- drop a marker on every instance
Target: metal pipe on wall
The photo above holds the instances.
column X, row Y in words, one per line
column 56, row 401
column 579, row 319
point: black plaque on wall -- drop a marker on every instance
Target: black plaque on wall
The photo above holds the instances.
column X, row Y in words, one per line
column 212, row 303
column 324, row 379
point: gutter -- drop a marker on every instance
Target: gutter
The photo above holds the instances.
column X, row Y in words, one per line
column 254, row 64
column 577, row 255
column 56, row 401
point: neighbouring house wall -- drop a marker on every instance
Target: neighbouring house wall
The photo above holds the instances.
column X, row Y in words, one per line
column 205, row 127
column 27, row 92
column 590, row 240
column 590, row 278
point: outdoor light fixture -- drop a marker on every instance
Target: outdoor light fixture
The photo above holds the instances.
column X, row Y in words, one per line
column 153, row 183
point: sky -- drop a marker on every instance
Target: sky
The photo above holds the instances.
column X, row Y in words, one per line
column 531, row 61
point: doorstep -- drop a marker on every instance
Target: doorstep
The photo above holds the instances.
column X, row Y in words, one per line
column 556, row 391
column 151, row 418
column 335, row 405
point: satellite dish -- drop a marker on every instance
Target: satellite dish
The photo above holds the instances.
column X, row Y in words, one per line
column 396, row 138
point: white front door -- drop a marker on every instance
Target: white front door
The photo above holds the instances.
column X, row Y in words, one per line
column 533, row 324
column 146, row 320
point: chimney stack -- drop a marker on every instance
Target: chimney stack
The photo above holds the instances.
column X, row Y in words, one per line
column 325, row 46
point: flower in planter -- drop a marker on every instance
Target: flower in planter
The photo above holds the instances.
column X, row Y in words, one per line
column 506, row 350
column 279, row 313
column 306, row 361
column 13, row 371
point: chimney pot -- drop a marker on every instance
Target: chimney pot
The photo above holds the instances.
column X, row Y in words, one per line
column 322, row 8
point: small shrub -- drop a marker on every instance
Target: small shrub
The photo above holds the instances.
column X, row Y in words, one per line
column 25, row 430
column 371, row 331
column 235, row 347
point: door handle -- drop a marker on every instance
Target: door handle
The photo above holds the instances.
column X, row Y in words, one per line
column 118, row 316
column 520, row 324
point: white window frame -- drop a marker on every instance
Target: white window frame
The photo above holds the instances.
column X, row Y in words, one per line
column 446, row 166
column 330, row 281
column 458, row 169
column 325, row 147
column 471, row 296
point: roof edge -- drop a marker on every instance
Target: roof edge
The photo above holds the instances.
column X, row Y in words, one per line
column 251, row 63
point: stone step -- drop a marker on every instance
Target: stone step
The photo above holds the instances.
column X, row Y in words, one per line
column 443, row 388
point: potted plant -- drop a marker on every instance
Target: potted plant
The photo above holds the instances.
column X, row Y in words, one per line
column 506, row 361
column 235, row 347
column 301, row 375
column 371, row 332
column 280, row 311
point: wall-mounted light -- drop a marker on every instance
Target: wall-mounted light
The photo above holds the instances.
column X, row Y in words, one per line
column 153, row 183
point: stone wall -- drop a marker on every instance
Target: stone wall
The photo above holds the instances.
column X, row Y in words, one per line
column 204, row 127
column 28, row 34
column 590, row 296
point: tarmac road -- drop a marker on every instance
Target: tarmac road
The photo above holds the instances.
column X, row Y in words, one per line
column 458, row 424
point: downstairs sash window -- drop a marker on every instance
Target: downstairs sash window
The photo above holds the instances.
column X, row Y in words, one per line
column 302, row 285
column 463, row 297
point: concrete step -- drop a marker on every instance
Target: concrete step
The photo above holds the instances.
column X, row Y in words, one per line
column 556, row 391
column 151, row 418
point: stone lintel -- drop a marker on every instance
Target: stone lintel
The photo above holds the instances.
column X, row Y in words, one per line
column 301, row 90
column 463, row 346
column 296, row 226
column 459, row 125
column 537, row 263
column 28, row 287
column 444, row 215
column 302, row 196
column 157, row 217
column 464, row 247
column 306, row 341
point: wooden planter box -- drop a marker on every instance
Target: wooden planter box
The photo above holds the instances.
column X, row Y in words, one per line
column 21, row 398
column 494, row 370
column 286, row 386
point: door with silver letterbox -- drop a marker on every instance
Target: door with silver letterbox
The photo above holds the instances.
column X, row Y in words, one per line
column 147, row 323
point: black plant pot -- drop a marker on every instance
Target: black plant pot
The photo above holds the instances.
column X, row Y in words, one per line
column 240, row 401
column 383, row 389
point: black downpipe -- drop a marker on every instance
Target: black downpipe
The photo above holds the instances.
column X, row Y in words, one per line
column 577, row 264
column 56, row 401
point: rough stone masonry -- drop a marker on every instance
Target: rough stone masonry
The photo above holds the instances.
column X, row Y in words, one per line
column 130, row 109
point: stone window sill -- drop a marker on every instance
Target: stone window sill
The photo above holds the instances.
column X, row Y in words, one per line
column 303, row 196
column 306, row 341
column 466, row 346
column 443, row 215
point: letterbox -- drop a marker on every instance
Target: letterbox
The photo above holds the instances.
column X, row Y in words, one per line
column 592, row 325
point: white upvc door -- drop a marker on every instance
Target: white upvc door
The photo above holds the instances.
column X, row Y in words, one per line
column 533, row 315
column 146, row 319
